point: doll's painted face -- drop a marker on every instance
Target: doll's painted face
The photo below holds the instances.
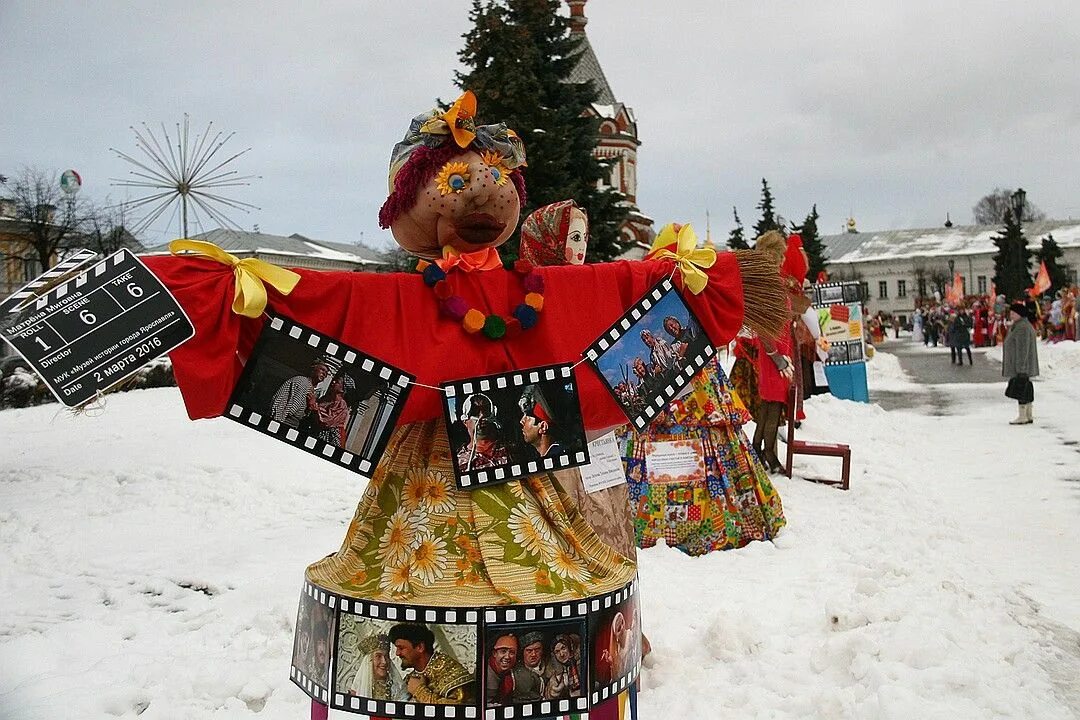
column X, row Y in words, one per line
column 468, row 205
column 577, row 237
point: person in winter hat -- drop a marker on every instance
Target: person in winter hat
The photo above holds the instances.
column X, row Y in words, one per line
column 1020, row 362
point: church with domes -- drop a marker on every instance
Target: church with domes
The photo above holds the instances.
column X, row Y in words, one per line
column 618, row 141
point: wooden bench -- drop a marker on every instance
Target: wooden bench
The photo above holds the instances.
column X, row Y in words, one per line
column 801, row 447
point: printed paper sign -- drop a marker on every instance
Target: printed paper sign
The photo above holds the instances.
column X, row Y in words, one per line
column 605, row 468
column 90, row 332
column 674, row 462
column 839, row 312
column 820, row 378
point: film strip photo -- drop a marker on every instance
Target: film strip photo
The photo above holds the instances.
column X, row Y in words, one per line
column 313, row 645
column 615, row 632
column 407, row 667
column 507, row 426
column 650, row 354
column 534, row 669
column 836, row 292
column 317, row 394
column 846, row 353
column 518, row 661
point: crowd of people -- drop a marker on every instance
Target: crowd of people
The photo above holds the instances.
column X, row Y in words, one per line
column 984, row 322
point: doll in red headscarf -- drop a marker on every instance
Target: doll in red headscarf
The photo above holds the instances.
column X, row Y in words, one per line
column 731, row 501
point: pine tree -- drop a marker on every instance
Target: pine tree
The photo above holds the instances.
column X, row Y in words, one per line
column 811, row 243
column 1050, row 253
column 736, row 239
column 768, row 212
column 1012, row 261
column 519, row 56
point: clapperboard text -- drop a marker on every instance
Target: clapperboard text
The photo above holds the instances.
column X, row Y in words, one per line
column 96, row 329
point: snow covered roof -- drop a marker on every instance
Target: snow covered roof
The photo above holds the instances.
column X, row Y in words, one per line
column 930, row 242
column 295, row 245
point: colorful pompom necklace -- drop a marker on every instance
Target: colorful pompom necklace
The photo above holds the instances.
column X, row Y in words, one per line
column 494, row 327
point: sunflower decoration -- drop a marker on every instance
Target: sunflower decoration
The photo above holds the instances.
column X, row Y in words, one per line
column 497, row 163
column 453, row 177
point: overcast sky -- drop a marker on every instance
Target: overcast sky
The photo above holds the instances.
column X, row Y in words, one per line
column 896, row 111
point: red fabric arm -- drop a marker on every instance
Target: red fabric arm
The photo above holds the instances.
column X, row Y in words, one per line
column 395, row 317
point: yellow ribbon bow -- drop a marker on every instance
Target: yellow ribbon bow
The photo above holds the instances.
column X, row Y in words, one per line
column 679, row 243
column 249, row 296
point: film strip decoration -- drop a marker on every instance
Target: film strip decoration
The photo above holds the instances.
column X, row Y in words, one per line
column 264, row 400
column 831, row 293
column 646, row 396
column 549, row 392
column 479, row 626
column 313, row 688
column 839, row 309
column 41, row 284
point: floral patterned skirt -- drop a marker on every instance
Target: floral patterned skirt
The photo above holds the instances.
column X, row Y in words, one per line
column 727, row 501
column 744, row 378
column 417, row 538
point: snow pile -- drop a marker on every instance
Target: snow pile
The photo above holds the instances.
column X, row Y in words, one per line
column 159, row 578
column 1056, row 360
column 883, row 372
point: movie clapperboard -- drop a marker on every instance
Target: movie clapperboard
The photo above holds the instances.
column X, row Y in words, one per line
column 89, row 332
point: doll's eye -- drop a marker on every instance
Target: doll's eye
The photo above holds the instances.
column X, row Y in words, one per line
column 496, row 174
column 452, row 178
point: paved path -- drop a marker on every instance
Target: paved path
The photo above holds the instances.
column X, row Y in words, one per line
column 930, row 366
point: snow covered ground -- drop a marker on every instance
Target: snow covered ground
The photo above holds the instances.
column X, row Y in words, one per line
column 151, row 566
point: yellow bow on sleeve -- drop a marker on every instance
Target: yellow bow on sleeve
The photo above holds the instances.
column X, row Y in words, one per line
column 679, row 243
column 249, row 295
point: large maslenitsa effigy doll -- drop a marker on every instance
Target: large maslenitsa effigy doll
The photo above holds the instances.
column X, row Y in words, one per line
column 468, row 584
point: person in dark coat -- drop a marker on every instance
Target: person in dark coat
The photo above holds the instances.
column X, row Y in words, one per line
column 960, row 338
column 1020, row 362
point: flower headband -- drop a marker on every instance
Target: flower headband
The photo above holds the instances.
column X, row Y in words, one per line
column 435, row 127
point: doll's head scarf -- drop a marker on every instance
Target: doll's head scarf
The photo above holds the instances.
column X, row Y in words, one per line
column 793, row 271
column 435, row 137
column 543, row 234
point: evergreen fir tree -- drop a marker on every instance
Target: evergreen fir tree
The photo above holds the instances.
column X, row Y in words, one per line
column 768, row 212
column 519, row 55
column 1050, row 254
column 736, row 240
column 811, row 242
column 1012, row 261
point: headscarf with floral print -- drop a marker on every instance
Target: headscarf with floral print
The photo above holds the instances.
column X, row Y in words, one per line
column 543, row 234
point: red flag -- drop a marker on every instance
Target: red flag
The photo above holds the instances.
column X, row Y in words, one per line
column 954, row 291
column 1042, row 281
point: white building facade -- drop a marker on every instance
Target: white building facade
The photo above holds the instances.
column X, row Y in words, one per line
column 898, row 267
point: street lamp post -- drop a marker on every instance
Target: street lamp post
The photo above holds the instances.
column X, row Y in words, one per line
column 1018, row 199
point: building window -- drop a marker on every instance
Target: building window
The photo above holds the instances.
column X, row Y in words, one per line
column 1072, row 276
column 901, row 288
column 981, row 282
column 31, row 269
column 883, row 290
column 865, row 288
column 922, row 287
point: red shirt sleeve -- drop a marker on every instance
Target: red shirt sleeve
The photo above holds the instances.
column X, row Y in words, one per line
column 395, row 318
